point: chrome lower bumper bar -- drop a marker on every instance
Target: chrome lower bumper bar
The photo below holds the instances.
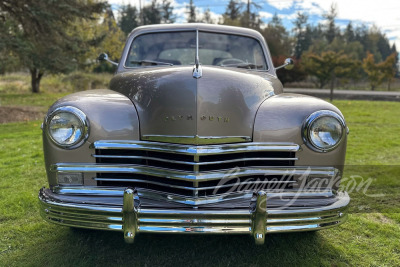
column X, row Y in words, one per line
column 132, row 211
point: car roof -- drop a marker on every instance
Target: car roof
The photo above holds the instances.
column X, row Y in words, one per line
column 197, row 26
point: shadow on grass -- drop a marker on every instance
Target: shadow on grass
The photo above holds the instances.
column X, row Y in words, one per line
column 80, row 247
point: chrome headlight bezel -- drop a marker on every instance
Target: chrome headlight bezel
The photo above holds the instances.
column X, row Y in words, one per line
column 308, row 123
column 82, row 118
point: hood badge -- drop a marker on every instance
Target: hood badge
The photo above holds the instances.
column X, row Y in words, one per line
column 202, row 117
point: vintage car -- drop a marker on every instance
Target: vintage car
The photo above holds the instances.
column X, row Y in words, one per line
column 194, row 136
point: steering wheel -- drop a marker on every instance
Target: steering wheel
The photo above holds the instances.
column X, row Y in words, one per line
column 230, row 61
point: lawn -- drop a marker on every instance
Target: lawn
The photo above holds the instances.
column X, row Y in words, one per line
column 370, row 237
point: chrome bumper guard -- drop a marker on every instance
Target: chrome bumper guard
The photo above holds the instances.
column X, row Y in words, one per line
column 133, row 211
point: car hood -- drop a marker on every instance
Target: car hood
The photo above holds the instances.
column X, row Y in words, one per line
column 173, row 106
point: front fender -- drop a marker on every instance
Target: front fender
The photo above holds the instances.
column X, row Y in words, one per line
column 111, row 116
column 280, row 119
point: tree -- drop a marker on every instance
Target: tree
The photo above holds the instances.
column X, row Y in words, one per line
column 378, row 72
column 36, row 32
column 277, row 38
column 233, row 13
column 99, row 35
column 251, row 19
column 128, row 18
column 331, row 30
column 302, row 34
column 167, row 12
column 349, row 35
column 389, row 68
column 327, row 66
column 192, row 12
column 207, row 17
column 394, row 51
column 156, row 13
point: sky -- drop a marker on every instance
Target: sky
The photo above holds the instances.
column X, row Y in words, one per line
column 385, row 14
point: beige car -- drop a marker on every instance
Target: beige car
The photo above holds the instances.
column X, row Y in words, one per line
column 196, row 135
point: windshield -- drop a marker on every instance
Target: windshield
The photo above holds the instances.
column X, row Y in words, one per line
column 179, row 48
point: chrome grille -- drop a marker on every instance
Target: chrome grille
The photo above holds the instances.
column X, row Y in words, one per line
column 194, row 170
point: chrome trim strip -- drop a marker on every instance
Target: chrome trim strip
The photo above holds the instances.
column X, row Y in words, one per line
column 191, row 188
column 187, row 162
column 87, row 191
column 321, row 172
column 196, row 140
column 192, row 149
column 222, row 221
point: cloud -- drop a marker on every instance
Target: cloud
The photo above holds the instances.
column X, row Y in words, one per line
column 384, row 14
column 265, row 15
column 288, row 16
column 281, row 4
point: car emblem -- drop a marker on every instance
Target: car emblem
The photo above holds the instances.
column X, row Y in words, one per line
column 202, row 118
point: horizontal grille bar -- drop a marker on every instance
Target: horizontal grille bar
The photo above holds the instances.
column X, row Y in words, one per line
column 321, row 172
column 142, row 181
column 195, row 150
column 190, row 163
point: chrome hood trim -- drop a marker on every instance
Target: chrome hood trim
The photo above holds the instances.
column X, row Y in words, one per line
column 191, row 149
column 171, row 103
column 196, row 140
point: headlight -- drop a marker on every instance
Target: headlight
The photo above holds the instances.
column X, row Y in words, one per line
column 323, row 130
column 67, row 127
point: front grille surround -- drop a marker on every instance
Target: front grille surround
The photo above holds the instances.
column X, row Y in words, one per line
column 197, row 171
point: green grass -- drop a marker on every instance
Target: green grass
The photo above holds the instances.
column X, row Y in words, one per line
column 369, row 238
column 15, row 88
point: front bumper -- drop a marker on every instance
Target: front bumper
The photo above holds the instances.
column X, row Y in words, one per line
column 134, row 211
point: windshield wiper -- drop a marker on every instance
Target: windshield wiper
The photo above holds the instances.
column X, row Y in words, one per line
column 150, row 62
column 244, row 65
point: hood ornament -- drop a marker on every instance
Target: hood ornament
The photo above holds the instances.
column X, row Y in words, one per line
column 197, row 71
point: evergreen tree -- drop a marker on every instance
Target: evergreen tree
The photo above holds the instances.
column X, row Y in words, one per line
column 191, row 12
column 128, row 18
column 167, row 12
column 251, row 19
column 384, row 46
column 349, row 34
column 156, row 13
column 207, row 17
column 302, row 33
column 277, row 38
column 233, row 13
column 233, row 10
column 331, row 30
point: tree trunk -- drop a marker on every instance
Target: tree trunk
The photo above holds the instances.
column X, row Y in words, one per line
column 36, row 76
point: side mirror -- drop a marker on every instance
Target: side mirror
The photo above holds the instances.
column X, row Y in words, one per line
column 104, row 57
column 289, row 64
